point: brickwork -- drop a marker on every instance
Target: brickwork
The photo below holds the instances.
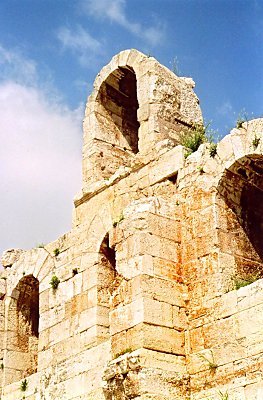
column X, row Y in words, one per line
column 147, row 304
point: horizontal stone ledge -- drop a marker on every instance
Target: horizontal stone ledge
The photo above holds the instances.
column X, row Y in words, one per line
column 166, row 166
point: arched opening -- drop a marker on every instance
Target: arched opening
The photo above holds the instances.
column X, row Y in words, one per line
column 118, row 98
column 241, row 189
column 23, row 323
column 108, row 254
column 107, row 263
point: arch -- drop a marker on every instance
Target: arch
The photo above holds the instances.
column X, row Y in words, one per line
column 21, row 352
column 136, row 103
column 240, row 193
column 119, row 104
column 107, row 271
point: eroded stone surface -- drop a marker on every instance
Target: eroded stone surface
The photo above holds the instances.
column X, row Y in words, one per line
column 10, row 256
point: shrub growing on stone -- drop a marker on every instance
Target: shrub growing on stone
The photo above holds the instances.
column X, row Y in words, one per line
column 213, row 149
column 54, row 282
column 56, row 252
column 194, row 136
column 24, row 385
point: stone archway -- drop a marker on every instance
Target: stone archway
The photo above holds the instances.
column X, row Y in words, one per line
column 241, row 215
column 118, row 98
column 136, row 104
column 22, row 330
column 107, row 274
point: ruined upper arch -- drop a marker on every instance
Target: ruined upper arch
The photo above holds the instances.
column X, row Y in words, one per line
column 118, row 105
column 136, row 103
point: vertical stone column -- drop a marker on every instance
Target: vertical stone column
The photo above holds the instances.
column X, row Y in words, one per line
column 148, row 307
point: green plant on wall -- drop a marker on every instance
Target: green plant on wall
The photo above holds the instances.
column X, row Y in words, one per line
column 118, row 220
column 239, row 282
column 56, row 252
column 24, row 385
column 256, row 141
column 241, row 118
column 54, row 282
column 192, row 137
column 210, row 361
column 213, row 149
column 121, row 353
column 223, row 396
column 200, row 169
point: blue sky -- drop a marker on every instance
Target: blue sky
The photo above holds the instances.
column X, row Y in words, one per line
column 50, row 53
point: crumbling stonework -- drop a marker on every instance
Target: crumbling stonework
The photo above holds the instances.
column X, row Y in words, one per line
column 147, row 305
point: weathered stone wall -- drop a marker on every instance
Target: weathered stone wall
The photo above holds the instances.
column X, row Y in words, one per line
column 147, row 305
column 221, row 249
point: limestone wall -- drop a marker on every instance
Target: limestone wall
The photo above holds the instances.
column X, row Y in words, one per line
column 222, row 227
column 146, row 304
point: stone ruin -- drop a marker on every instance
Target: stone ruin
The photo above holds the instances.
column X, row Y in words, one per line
column 145, row 301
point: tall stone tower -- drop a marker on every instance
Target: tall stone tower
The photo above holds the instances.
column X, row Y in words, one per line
column 142, row 299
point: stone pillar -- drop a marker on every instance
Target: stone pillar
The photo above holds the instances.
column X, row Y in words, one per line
column 148, row 306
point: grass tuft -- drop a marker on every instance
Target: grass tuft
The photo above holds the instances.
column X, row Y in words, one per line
column 56, row 252
column 24, row 385
column 192, row 137
column 256, row 142
column 128, row 350
column 54, row 282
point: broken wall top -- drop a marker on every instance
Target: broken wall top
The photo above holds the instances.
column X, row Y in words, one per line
column 136, row 103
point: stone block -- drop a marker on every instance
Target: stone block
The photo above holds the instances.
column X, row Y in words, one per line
column 151, row 337
column 168, row 165
column 59, row 332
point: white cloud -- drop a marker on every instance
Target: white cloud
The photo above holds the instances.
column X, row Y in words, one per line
column 79, row 40
column 114, row 10
column 154, row 35
column 16, row 67
column 81, row 43
column 225, row 109
column 40, row 159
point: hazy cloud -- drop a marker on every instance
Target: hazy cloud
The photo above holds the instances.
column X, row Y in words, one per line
column 114, row 10
column 40, row 158
column 16, row 67
column 225, row 109
column 81, row 43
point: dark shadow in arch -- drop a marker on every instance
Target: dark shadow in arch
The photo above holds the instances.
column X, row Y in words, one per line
column 251, row 203
column 241, row 188
column 108, row 253
column 118, row 96
column 23, row 328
